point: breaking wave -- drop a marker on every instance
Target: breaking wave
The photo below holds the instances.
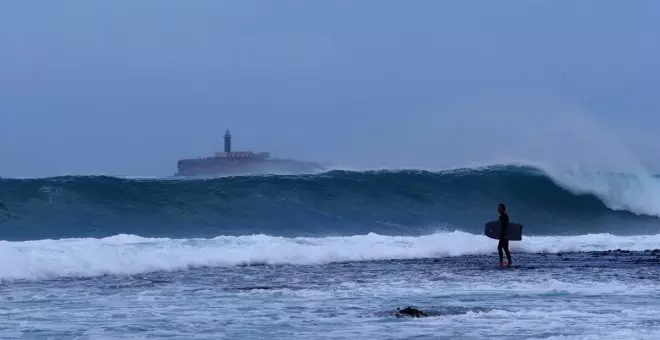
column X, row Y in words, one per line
column 129, row 254
column 335, row 203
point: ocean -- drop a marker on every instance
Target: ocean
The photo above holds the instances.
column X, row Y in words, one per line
column 331, row 256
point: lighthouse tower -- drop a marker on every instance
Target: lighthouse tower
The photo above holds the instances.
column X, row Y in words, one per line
column 227, row 141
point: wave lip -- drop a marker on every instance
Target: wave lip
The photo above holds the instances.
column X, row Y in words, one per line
column 129, row 254
column 635, row 193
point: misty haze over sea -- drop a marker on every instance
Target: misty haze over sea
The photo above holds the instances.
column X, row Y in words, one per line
column 430, row 114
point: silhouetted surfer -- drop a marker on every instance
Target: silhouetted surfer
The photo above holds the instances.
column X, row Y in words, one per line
column 504, row 242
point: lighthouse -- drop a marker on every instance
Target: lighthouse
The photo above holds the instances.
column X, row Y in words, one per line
column 227, row 141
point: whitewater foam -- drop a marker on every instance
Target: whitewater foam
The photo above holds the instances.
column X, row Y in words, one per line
column 638, row 193
column 128, row 254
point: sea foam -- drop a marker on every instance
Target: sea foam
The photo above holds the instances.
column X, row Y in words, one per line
column 128, row 254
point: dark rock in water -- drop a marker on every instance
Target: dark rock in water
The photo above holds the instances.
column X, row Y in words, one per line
column 410, row 312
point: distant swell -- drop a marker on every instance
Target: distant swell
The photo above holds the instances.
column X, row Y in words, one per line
column 336, row 203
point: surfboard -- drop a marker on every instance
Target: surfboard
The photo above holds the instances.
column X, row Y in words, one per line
column 513, row 232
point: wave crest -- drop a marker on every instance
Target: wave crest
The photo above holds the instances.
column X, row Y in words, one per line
column 339, row 203
column 129, row 254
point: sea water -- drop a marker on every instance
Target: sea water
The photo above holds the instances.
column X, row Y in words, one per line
column 326, row 256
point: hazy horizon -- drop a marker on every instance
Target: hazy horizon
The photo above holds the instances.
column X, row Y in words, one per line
column 128, row 88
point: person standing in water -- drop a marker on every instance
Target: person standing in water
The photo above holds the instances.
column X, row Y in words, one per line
column 504, row 242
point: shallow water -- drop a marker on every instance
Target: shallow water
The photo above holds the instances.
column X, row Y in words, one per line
column 595, row 295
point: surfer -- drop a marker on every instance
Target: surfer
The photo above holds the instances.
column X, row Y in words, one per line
column 504, row 242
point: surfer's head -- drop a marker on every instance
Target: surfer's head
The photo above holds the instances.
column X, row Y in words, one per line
column 501, row 208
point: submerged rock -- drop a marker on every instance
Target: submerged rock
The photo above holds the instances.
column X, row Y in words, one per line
column 410, row 312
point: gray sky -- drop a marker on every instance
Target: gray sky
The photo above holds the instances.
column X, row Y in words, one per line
column 129, row 87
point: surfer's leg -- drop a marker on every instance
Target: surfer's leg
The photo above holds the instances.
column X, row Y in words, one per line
column 500, row 245
column 506, row 250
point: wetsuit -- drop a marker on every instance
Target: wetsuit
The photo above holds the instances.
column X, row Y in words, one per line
column 504, row 243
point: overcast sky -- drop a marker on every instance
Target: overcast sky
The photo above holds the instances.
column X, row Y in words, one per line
column 129, row 87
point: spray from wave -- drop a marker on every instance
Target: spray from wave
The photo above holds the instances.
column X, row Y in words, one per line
column 636, row 193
